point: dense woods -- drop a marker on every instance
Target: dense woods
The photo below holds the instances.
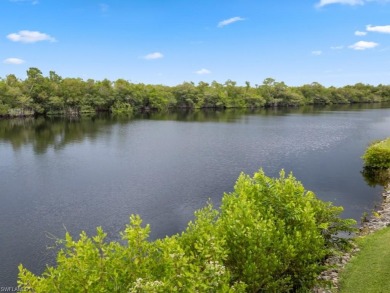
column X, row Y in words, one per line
column 52, row 94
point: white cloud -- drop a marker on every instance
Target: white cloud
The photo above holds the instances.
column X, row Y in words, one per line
column 363, row 45
column 385, row 29
column 316, row 53
column 33, row 2
column 153, row 56
column 230, row 21
column 30, row 37
column 360, row 34
column 203, row 71
column 337, row 47
column 348, row 2
column 15, row 61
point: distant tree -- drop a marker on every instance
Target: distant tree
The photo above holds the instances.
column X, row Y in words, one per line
column 315, row 93
column 186, row 95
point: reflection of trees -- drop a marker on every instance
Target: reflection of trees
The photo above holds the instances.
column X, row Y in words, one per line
column 54, row 133
column 226, row 115
column 196, row 115
column 219, row 115
column 376, row 176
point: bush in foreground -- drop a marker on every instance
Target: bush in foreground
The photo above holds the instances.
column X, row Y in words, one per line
column 377, row 155
column 269, row 235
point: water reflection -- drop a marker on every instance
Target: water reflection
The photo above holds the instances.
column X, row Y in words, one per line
column 56, row 132
column 96, row 171
column 45, row 133
column 375, row 176
column 218, row 115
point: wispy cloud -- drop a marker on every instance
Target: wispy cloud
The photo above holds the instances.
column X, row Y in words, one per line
column 385, row 29
column 230, row 21
column 337, row 47
column 347, row 2
column 33, row 2
column 360, row 33
column 14, row 61
column 203, row 71
column 363, row 45
column 26, row 36
column 153, row 56
column 316, row 53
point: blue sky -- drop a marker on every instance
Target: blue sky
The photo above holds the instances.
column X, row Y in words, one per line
column 333, row 42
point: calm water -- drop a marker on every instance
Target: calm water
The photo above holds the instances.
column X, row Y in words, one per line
column 60, row 174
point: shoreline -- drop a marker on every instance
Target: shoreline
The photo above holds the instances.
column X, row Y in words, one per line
column 376, row 221
column 382, row 219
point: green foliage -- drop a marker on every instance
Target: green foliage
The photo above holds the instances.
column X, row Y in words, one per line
column 377, row 155
column 39, row 94
column 3, row 109
column 270, row 235
column 93, row 265
column 121, row 108
column 277, row 233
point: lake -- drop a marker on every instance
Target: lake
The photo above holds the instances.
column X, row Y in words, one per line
column 61, row 174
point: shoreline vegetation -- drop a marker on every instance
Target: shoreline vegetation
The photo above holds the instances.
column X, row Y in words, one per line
column 377, row 155
column 55, row 95
column 269, row 235
column 368, row 270
column 365, row 268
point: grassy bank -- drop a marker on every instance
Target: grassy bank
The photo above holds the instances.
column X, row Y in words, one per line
column 369, row 271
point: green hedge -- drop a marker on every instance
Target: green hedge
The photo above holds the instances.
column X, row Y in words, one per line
column 377, row 155
column 269, row 235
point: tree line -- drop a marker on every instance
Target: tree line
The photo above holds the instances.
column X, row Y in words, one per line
column 53, row 94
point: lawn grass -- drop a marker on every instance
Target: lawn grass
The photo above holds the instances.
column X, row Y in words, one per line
column 369, row 270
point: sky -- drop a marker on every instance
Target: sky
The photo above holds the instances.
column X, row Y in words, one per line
column 333, row 42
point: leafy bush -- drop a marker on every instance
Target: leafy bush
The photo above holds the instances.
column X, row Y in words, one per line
column 3, row 109
column 377, row 155
column 277, row 233
column 121, row 108
column 270, row 235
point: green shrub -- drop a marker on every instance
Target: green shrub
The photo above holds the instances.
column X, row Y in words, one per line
column 377, row 155
column 121, row 108
column 270, row 235
column 3, row 109
column 277, row 233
